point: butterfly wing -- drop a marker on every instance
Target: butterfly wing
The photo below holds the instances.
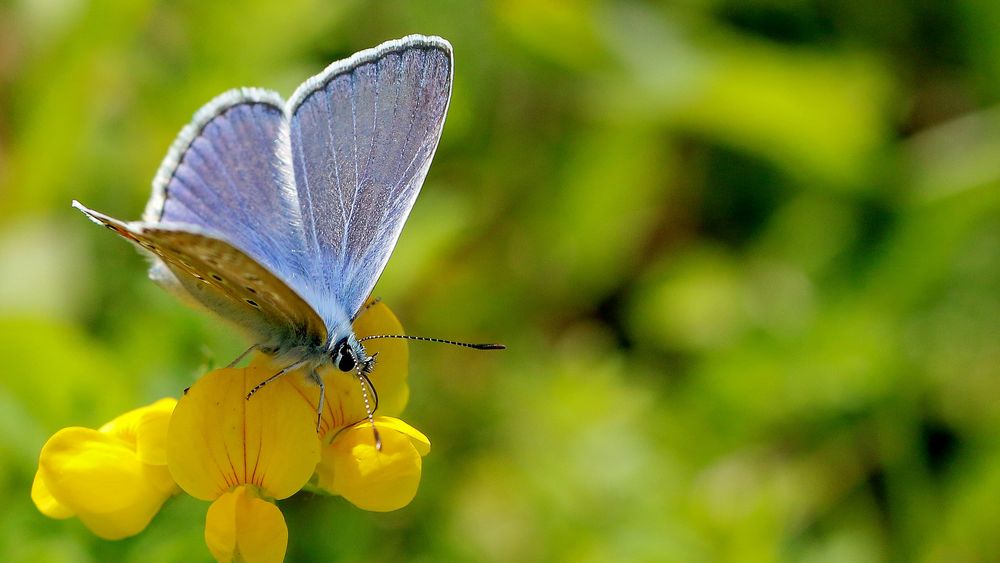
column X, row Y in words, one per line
column 362, row 134
column 235, row 244
column 218, row 275
column 223, row 173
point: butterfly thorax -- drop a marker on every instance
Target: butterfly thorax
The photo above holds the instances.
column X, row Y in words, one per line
column 346, row 354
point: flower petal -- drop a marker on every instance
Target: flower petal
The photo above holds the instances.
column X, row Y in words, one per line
column 220, row 526
column 218, row 439
column 133, row 518
column 150, row 420
column 391, row 367
column 417, row 438
column 46, row 503
column 241, row 526
column 91, row 471
column 151, row 432
column 100, row 479
column 370, row 479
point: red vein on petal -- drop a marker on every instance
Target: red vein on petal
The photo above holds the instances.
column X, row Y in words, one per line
column 329, row 407
column 303, row 395
column 225, row 447
column 215, row 462
column 260, row 446
column 309, row 402
column 232, row 467
column 244, row 403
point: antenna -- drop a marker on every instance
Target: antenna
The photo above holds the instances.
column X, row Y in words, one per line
column 438, row 340
column 369, row 411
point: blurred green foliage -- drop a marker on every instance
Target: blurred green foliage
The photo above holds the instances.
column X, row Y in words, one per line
column 746, row 256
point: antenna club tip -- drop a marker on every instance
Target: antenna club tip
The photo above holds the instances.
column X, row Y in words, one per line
column 492, row 347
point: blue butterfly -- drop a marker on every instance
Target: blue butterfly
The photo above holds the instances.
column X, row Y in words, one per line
column 280, row 216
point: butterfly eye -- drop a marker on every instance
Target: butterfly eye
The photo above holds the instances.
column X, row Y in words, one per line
column 347, row 361
column 344, row 357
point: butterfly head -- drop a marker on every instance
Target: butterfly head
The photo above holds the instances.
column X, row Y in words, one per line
column 348, row 354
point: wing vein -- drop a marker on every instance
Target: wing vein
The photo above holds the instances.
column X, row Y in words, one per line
column 222, row 168
column 357, row 177
column 374, row 138
column 420, row 152
column 336, row 171
column 308, row 189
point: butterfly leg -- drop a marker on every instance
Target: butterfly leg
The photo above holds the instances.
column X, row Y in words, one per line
column 260, row 385
column 322, row 396
column 233, row 363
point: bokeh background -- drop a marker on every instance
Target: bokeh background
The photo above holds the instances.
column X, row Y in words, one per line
column 746, row 256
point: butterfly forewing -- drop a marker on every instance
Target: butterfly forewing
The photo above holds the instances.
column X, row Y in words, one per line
column 362, row 136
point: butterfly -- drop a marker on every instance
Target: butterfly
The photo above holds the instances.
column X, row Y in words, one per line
column 279, row 216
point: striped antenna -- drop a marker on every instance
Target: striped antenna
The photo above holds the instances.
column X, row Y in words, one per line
column 438, row 340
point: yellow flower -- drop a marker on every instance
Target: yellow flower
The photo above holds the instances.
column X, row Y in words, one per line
column 240, row 453
column 240, row 526
column 351, row 465
column 113, row 479
column 372, row 479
